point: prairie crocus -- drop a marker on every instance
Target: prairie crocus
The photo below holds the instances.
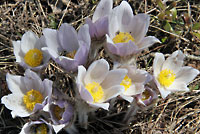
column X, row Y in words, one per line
column 27, row 92
column 66, row 47
column 98, row 85
column 127, row 32
column 169, row 74
column 38, row 127
column 98, row 26
column 60, row 109
column 134, row 82
column 28, row 51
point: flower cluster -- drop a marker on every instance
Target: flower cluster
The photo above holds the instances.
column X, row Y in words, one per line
column 95, row 83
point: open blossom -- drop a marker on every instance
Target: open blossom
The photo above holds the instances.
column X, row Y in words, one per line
column 134, row 82
column 127, row 32
column 27, row 92
column 37, row 127
column 97, row 85
column 28, row 51
column 66, row 47
column 169, row 74
column 98, row 26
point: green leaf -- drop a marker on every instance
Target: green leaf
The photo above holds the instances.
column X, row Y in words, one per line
column 163, row 39
column 174, row 14
column 196, row 26
column 196, row 87
column 196, row 34
column 160, row 4
column 168, row 27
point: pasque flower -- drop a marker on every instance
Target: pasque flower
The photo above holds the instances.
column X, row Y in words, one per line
column 66, row 47
column 98, row 26
column 27, row 91
column 28, row 51
column 127, row 32
column 170, row 74
column 134, row 82
column 97, row 85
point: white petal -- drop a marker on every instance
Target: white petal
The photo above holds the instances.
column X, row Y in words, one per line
column 134, row 89
column 97, row 71
column 157, row 63
column 186, row 74
column 57, row 128
column 85, row 94
column 15, row 84
column 127, row 98
column 100, row 105
column 28, row 41
column 113, row 92
column 51, row 52
column 17, row 51
column 147, row 42
column 164, row 93
column 103, row 8
column 178, row 86
column 15, row 103
column 51, row 39
column 114, row 77
column 84, row 35
column 81, row 74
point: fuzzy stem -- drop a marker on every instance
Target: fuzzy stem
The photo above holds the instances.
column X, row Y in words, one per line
column 131, row 112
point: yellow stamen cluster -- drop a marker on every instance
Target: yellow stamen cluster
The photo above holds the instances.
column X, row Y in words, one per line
column 71, row 54
column 95, row 90
column 126, row 82
column 41, row 129
column 145, row 95
column 33, row 57
column 123, row 38
column 31, row 98
column 58, row 112
column 166, row 77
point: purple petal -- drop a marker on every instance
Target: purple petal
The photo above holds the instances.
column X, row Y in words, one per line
column 147, row 42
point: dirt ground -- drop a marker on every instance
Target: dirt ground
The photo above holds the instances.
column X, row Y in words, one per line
column 177, row 25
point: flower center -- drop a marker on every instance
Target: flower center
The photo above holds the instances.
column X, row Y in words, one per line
column 41, row 129
column 31, row 98
column 126, row 82
column 71, row 54
column 122, row 37
column 33, row 57
column 166, row 77
column 58, row 112
column 95, row 90
column 145, row 95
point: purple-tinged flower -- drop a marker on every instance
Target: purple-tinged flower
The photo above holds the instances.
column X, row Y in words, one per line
column 98, row 26
column 66, row 47
column 28, row 51
column 37, row 127
column 98, row 85
column 146, row 98
column 134, row 82
column 127, row 32
column 27, row 92
column 169, row 74
column 61, row 110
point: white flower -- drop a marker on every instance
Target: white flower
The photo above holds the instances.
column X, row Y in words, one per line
column 97, row 85
column 26, row 91
column 28, row 51
column 169, row 74
column 127, row 32
column 134, row 82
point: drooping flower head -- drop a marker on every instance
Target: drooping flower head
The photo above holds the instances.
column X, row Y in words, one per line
column 97, row 85
column 26, row 91
column 28, row 51
column 127, row 32
column 66, row 47
column 37, row 127
column 169, row 74
column 98, row 26
column 134, row 82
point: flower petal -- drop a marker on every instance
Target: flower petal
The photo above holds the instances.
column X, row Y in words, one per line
column 67, row 63
column 178, row 86
column 81, row 75
column 136, row 88
column 51, row 39
column 186, row 74
column 113, row 77
column 113, row 92
column 97, row 71
column 101, row 27
column 164, row 93
column 67, row 37
column 99, row 105
column 51, row 52
column 84, row 35
column 28, row 41
column 85, row 94
column 17, row 51
column 103, row 8
column 82, row 54
column 127, row 98
column 92, row 27
column 157, row 63
column 147, row 42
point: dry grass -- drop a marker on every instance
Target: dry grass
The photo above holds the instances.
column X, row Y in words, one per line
column 179, row 113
